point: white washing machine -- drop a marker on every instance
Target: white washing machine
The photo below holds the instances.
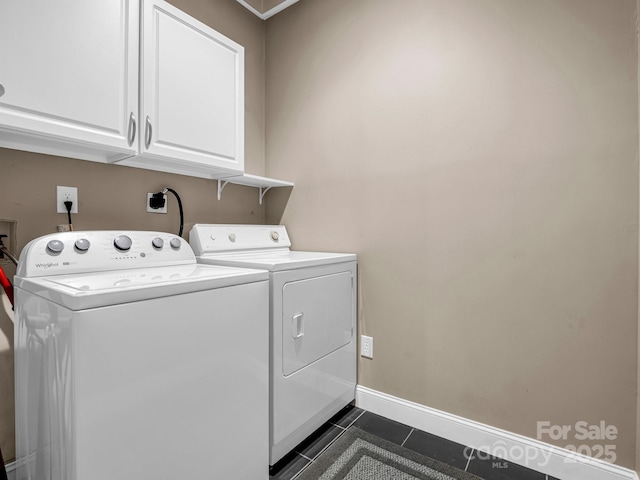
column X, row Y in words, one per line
column 312, row 324
column 134, row 362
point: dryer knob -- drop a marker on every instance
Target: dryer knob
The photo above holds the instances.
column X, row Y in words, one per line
column 232, row 237
column 82, row 245
column 122, row 243
column 175, row 243
column 54, row 247
column 275, row 236
column 157, row 243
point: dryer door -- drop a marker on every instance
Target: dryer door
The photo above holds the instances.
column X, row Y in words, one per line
column 317, row 318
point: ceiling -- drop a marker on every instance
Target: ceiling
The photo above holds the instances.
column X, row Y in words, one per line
column 266, row 8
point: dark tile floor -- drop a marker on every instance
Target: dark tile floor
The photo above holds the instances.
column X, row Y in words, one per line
column 424, row 443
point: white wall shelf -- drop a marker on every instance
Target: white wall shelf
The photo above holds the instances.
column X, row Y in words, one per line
column 248, row 180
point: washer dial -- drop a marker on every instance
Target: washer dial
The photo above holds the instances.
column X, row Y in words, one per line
column 82, row 245
column 54, row 247
column 157, row 243
column 122, row 243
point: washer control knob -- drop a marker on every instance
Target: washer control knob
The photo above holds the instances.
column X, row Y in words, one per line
column 275, row 236
column 54, row 247
column 122, row 243
column 157, row 243
column 82, row 245
column 175, row 243
column 232, row 237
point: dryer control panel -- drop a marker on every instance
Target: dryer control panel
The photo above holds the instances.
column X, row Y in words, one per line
column 96, row 251
column 216, row 238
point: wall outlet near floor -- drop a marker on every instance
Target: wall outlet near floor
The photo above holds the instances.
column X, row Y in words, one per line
column 366, row 346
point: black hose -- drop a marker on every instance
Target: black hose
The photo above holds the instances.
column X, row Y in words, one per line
column 179, row 208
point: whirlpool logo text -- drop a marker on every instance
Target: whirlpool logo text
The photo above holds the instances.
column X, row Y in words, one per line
column 47, row 265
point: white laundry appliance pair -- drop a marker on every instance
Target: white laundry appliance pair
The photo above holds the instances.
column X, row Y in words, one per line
column 312, row 324
column 135, row 362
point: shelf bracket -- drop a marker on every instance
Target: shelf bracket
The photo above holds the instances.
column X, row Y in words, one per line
column 262, row 192
column 261, row 183
column 221, row 185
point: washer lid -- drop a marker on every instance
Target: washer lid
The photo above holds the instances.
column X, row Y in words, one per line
column 90, row 290
column 277, row 260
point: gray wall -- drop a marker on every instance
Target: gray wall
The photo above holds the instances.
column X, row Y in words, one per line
column 481, row 157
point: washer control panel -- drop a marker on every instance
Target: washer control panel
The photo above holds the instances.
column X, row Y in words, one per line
column 78, row 252
column 214, row 238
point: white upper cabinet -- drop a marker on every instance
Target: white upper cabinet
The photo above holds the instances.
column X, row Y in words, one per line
column 140, row 83
column 192, row 101
column 69, row 77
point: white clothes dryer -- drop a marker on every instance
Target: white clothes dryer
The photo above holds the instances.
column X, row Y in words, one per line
column 134, row 362
column 312, row 324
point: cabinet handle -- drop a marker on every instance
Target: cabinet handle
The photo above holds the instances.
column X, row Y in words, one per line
column 132, row 128
column 148, row 132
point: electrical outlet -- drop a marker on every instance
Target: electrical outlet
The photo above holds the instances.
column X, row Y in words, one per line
column 156, row 210
column 366, row 346
column 65, row 194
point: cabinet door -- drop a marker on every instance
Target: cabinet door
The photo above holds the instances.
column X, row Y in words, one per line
column 192, row 109
column 69, row 77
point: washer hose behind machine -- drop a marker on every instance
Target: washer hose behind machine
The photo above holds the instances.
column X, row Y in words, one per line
column 6, row 285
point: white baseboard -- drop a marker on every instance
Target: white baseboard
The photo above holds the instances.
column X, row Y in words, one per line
column 551, row 460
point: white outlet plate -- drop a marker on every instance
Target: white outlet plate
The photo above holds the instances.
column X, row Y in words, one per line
column 366, row 346
column 156, row 210
column 64, row 194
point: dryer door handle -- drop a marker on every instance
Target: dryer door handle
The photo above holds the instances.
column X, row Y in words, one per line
column 297, row 326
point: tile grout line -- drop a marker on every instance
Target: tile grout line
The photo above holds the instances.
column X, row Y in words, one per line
column 350, row 424
column 304, row 456
column 407, row 437
column 356, row 419
column 302, row 470
column 328, row 445
column 277, row 477
column 311, row 460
